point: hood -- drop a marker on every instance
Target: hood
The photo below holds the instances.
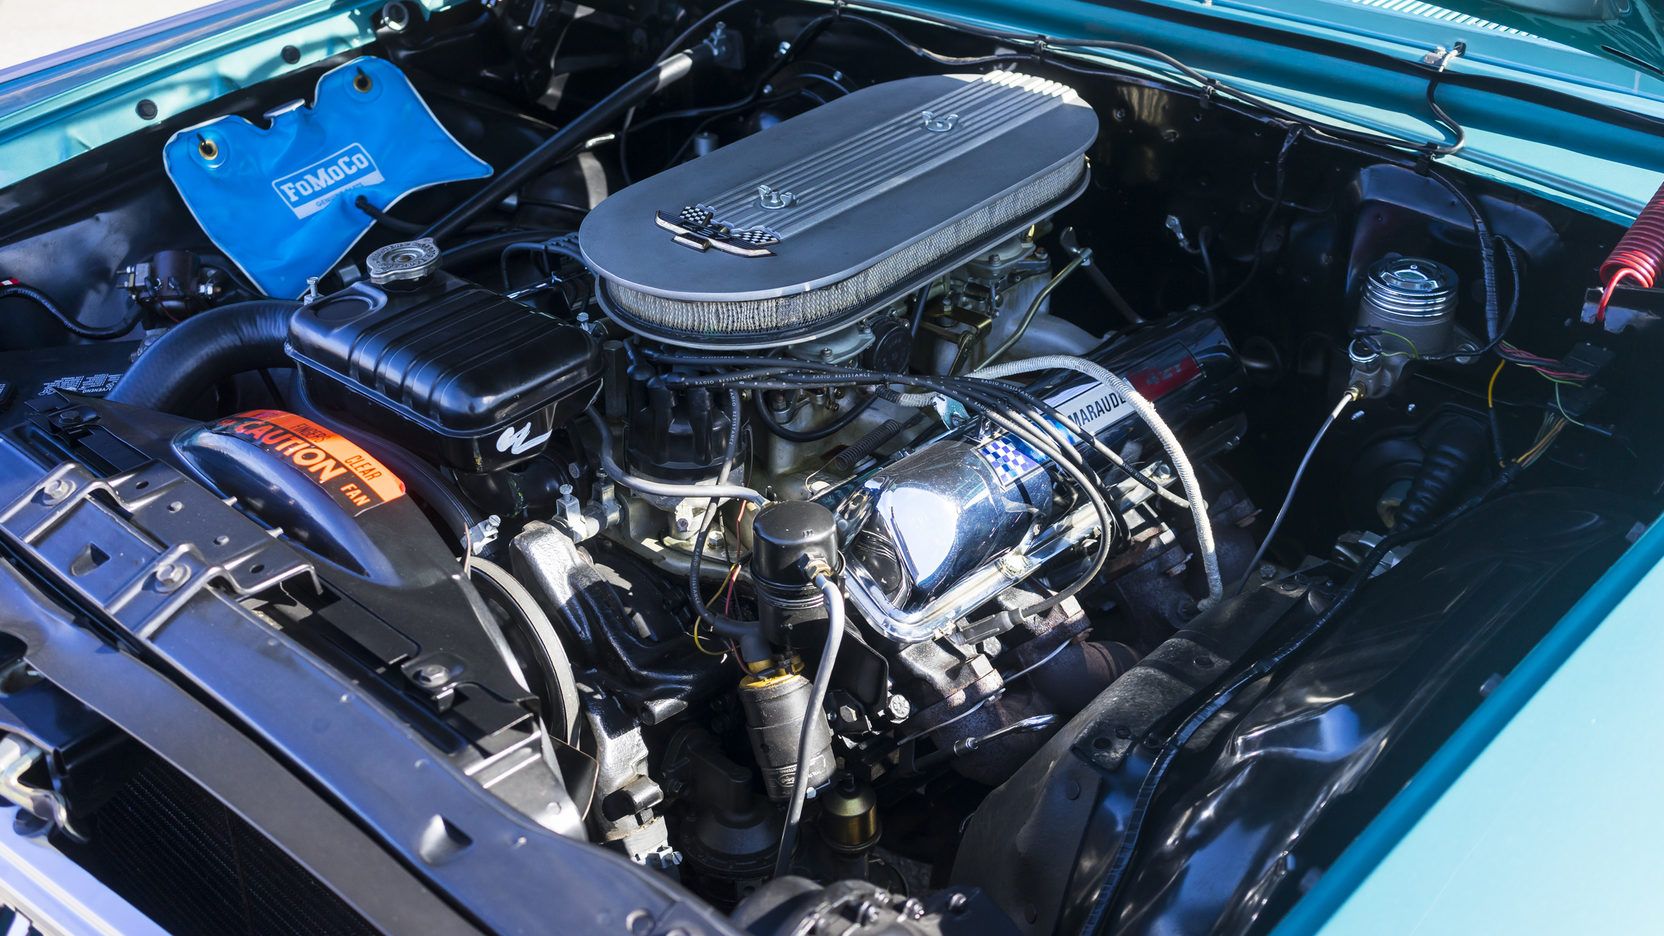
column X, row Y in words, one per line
column 1627, row 31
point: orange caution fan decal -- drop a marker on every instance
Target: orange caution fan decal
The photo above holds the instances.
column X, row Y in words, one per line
column 352, row 476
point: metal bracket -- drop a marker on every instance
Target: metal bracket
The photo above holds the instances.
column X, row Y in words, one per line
column 483, row 534
column 143, row 544
column 17, row 757
column 1440, row 57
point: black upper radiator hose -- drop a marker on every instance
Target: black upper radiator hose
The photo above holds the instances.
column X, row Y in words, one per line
column 220, row 343
column 206, row 349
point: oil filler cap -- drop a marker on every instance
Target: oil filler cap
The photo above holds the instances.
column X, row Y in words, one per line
column 403, row 262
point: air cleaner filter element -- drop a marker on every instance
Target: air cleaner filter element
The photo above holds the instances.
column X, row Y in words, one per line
column 798, row 230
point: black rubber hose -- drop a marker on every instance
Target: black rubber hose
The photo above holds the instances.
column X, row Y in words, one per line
column 398, row 225
column 856, row 452
column 19, row 291
column 1454, row 447
column 918, row 311
column 490, row 246
column 205, row 349
column 570, row 138
column 184, row 363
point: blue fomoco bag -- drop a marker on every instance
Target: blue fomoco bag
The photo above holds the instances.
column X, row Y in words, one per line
column 279, row 201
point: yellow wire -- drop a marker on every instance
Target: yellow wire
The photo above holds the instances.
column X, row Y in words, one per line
column 1562, row 407
column 1536, row 447
column 1541, row 445
column 699, row 646
column 1536, row 451
column 727, row 582
column 1557, row 380
column 1552, row 435
column 1413, row 351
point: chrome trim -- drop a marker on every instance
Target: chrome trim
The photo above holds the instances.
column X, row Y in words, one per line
column 978, row 588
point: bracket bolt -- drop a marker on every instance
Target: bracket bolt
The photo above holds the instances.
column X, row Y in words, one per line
column 171, row 575
column 57, row 489
column 431, row 675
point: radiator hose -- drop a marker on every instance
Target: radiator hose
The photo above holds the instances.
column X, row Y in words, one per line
column 220, row 343
column 204, row 350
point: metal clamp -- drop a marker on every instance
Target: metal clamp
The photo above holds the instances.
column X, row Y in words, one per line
column 1440, row 57
column 17, row 757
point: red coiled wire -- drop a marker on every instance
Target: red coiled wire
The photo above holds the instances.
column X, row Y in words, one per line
column 1638, row 255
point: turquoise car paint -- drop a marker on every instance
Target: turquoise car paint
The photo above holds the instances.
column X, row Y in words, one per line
column 1525, row 813
column 1627, row 31
column 62, row 106
column 1417, row 23
column 1538, row 815
column 1594, row 165
column 1591, row 164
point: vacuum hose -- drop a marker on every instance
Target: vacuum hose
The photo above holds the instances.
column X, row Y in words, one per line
column 834, row 599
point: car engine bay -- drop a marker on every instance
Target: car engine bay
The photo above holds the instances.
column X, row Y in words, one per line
column 867, row 474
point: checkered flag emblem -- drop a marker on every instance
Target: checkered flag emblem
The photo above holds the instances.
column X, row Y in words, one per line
column 757, row 237
column 696, row 226
column 1011, row 463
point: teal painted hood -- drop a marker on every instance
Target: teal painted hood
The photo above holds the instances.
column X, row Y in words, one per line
column 1628, row 31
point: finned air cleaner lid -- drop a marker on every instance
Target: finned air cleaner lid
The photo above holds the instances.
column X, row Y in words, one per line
column 801, row 228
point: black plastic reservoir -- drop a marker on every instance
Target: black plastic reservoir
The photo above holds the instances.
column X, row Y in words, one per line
column 456, row 373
